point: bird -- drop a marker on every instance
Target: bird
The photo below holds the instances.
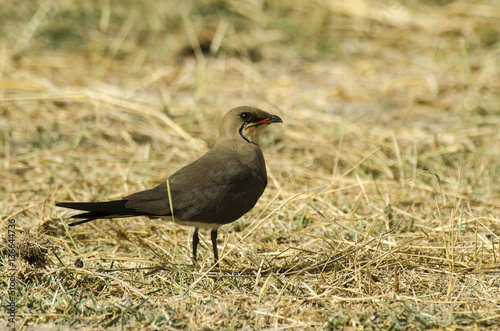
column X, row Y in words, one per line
column 218, row 188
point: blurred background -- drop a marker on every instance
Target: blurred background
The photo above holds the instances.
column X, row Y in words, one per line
column 369, row 53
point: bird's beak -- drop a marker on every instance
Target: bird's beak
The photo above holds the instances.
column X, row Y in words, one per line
column 270, row 119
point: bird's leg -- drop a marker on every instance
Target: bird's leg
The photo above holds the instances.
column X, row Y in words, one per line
column 196, row 240
column 213, row 236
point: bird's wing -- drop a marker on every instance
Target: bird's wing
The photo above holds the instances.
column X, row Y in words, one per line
column 218, row 193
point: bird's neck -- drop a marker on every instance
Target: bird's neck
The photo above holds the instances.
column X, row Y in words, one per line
column 240, row 148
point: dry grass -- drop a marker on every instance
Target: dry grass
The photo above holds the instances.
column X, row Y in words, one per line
column 382, row 209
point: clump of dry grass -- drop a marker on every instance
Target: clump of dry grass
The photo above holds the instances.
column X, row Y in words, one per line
column 384, row 182
column 34, row 249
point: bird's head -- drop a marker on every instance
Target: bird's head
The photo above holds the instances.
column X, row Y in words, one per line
column 246, row 123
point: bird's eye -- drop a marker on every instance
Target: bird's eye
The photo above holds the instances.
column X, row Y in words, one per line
column 245, row 117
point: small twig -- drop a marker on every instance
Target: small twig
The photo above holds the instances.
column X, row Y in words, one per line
column 124, row 283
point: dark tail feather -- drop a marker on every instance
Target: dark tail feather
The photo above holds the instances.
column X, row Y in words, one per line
column 97, row 210
column 86, row 220
column 108, row 207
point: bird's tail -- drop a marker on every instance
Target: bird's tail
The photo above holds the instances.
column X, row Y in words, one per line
column 97, row 210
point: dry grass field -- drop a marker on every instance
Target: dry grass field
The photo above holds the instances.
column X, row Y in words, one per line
column 382, row 210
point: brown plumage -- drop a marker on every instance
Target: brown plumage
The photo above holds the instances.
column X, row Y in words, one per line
column 216, row 189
